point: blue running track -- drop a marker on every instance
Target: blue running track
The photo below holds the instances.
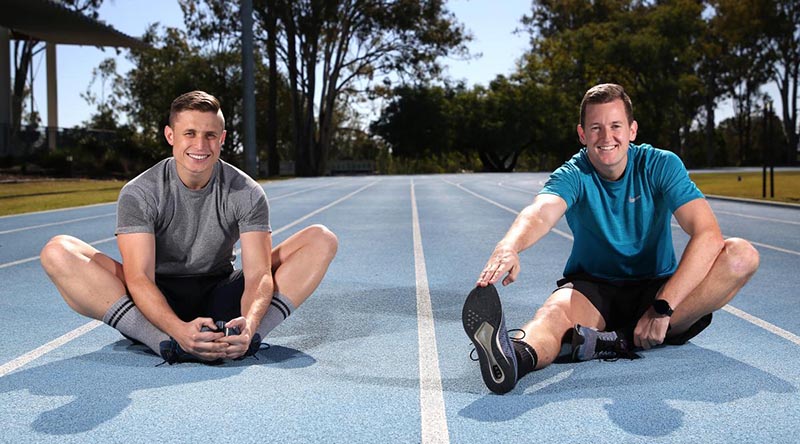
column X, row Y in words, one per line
column 378, row 354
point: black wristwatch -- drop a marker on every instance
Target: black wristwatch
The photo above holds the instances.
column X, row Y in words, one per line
column 662, row 307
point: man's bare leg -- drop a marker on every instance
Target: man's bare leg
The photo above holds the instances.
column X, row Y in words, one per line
column 298, row 265
column 300, row 262
column 92, row 284
column 559, row 314
column 88, row 280
column 735, row 265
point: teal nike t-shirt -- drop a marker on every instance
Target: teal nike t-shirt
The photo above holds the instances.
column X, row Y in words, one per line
column 622, row 229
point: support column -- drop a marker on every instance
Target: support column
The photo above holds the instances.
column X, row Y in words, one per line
column 5, row 90
column 52, row 96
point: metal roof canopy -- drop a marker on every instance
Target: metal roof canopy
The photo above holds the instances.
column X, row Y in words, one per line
column 51, row 22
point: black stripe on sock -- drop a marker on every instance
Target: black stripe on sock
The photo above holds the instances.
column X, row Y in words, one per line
column 280, row 306
column 120, row 312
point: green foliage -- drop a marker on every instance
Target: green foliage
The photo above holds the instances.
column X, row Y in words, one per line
column 346, row 42
column 206, row 57
column 678, row 59
column 496, row 125
column 430, row 164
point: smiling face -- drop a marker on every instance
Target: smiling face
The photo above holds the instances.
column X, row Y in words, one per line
column 606, row 133
column 196, row 138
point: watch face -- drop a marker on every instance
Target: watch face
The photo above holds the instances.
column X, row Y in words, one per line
column 662, row 307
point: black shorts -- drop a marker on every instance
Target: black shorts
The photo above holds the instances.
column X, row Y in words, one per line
column 622, row 304
column 217, row 297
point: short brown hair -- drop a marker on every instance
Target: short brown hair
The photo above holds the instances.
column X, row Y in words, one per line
column 194, row 101
column 605, row 93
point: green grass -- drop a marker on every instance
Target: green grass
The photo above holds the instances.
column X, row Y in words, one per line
column 40, row 195
column 750, row 185
column 24, row 197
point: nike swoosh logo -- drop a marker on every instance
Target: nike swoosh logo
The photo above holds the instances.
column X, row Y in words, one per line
column 634, row 199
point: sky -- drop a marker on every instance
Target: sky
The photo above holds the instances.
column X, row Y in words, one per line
column 496, row 48
column 492, row 24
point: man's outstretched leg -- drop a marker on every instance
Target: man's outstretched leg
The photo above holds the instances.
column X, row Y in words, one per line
column 505, row 360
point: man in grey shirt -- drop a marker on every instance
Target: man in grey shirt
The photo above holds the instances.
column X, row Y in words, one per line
column 177, row 224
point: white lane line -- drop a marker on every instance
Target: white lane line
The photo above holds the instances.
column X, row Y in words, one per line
column 528, row 191
column 114, row 213
column 431, row 399
column 510, row 210
column 32, row 227
column 336, row 202
column 549, row 381
column 52, row 345
column 30, row 259
column 758, row 244
column 34, row 258
column 768, row 219
column 281, row 196
column 771, row 247
column 735, row 311
column 772, row 328
column 10, row 366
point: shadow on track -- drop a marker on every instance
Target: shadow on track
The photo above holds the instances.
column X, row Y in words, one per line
column 99, row 386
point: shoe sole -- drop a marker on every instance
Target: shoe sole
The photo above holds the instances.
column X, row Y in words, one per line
column 482, row 317
column 577, row 341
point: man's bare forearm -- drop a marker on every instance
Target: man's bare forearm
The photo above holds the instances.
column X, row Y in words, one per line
column 153, row 305
column 256, row 298
column 698, row 258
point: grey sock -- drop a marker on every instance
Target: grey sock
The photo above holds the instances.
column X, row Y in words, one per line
column 279, row 309
column 128, row 320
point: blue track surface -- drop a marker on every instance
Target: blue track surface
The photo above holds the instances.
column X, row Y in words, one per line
column 346, row 366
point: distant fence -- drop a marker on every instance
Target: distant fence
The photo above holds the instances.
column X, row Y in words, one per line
column 22, row 141
column 352, row 167
column 27, row 140
column 335, row 167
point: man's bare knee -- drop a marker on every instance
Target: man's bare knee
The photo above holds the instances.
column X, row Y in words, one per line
column 743, row 258
column 323, row 239
column 56, row 253
column 554, row 313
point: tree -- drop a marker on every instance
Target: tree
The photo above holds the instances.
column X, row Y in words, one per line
column 648, row 47
column 710, row 69
column 416, row 122
column 270, row 24
column 785, row 43
column 205, row 57
column 747, row 60
column 343, row 42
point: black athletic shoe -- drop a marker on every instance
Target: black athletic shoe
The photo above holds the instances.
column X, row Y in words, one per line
column 588, row 343
column 255, row 347
column 172, row 353
column 484, row 323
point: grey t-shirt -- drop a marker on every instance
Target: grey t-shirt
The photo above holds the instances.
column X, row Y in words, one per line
column 195, row 230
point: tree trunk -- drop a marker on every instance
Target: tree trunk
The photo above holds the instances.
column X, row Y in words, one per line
column 293, row 72
column 786, row 85
column 710, row 126
column 493, row 162
column 273, row 157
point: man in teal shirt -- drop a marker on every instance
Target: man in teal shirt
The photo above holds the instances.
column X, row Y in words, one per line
column 622, row 285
